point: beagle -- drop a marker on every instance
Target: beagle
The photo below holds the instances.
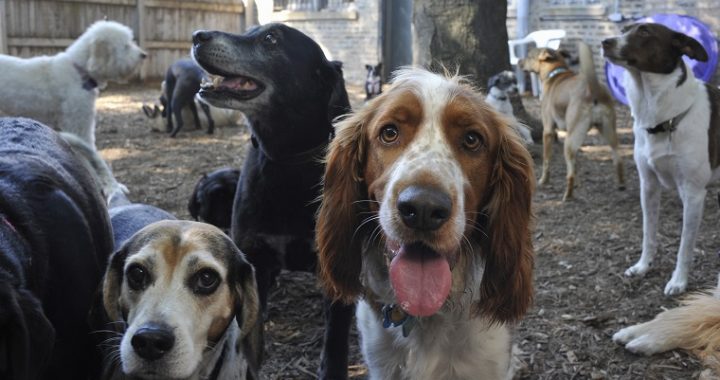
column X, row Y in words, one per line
column 187, row 301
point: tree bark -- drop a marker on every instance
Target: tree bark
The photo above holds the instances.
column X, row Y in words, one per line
column 467, row 36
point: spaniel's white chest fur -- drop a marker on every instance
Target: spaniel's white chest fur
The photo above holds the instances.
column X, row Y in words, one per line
column 446, row 347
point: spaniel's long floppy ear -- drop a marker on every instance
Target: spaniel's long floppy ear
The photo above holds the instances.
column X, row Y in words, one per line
column 338, row 237
column 506, row 289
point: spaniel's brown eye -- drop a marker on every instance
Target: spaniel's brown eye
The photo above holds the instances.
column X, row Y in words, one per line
column 389, row 134
column 472, row 141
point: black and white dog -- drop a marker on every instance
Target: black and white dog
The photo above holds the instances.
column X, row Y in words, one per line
column 500, row 87
column 373, row 81
column 55, row 239
column 281, row 80
column 676, row 123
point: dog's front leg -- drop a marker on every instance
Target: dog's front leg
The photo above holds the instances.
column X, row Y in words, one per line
column 334, row 356
column 693, row 203
column 548, row 138
column 650, row 191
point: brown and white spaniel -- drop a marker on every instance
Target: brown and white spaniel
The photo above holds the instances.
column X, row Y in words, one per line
column 426, row 216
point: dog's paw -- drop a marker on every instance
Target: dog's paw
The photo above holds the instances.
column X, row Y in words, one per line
column 639, row 340
column 646, row 344
column 675, row 286
column 637, row 270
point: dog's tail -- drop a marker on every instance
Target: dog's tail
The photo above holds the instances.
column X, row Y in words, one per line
column 95, row 164
column 587, row 68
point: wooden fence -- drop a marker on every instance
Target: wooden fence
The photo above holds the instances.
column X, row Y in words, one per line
column 162, row 27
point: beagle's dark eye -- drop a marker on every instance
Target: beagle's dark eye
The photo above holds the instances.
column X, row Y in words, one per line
column 205, row 282
column 271, row 39
column 472, row 141
column 138, row 277
column 389, row 134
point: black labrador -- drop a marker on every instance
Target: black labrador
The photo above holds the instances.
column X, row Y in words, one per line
column 55, row 239
column 281, row 80
column 182, row 82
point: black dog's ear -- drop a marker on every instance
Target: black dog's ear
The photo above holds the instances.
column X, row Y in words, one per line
column 26, row 335
column 378, row 68
column 368, row 67
column 112, row 283
column 690, row 47
column 194, row 202
column 492, row 82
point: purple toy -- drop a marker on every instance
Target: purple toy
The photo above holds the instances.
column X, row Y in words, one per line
column 684, row 24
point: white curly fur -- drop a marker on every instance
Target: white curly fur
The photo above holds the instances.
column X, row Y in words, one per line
column 50, row 88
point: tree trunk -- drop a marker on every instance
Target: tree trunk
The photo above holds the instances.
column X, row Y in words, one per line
column 469, row 36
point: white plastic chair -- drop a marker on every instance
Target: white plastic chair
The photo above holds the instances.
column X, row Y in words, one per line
column 549, row 38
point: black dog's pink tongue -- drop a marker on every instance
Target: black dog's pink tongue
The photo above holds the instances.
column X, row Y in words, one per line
column 421, row 279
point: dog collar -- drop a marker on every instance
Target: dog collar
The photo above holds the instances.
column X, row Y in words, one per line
column 88, row 82
column 394, row 316
column 502, row 98
column 312, row 154
column 556, row 71
column 668, row 125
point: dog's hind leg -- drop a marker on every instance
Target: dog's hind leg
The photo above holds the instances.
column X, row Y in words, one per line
column 196, row 117
column 211, row 122
column 169, row 91
column 693, row 198
column 548, row 134
column 650, row 191
column 334, row 356
column 573, row 142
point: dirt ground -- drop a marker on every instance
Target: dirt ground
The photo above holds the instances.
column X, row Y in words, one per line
column 582, row 248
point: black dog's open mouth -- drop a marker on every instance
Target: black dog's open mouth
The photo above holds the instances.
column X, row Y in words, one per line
column 237, row 86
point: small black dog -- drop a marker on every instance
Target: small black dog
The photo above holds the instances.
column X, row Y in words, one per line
column 55, row 240
column 281, row 80
column 211, row 201
column 373, row 81
column 182, row 82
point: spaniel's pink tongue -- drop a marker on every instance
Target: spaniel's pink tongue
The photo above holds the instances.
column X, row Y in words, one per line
column 421, row 279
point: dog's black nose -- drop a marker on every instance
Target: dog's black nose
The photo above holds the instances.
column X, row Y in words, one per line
column 143, row 55
column 202, row 36
column 151, row 342
column 424, row 208
column 608, row 43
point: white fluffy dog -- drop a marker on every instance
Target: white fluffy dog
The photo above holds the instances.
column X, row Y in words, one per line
column 60, row 90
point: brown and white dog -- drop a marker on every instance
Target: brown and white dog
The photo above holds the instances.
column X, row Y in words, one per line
column 426, row 216
column 187, row 299
column 575, row 103
column 676, row 124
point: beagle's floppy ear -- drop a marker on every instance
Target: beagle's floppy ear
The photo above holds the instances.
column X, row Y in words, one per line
column 690, row 47
column 506, row 288
column 242, row 278
column 338, row 239
column 112, row 283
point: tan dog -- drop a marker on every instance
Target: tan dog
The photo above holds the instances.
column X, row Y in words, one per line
column 573, row 102
column 188, row 301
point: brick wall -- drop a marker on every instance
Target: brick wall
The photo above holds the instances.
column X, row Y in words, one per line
column 593, row 29
column 350, row 35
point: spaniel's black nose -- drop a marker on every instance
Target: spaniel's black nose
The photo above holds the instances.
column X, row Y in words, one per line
column 151, row 342
column 424, row 208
